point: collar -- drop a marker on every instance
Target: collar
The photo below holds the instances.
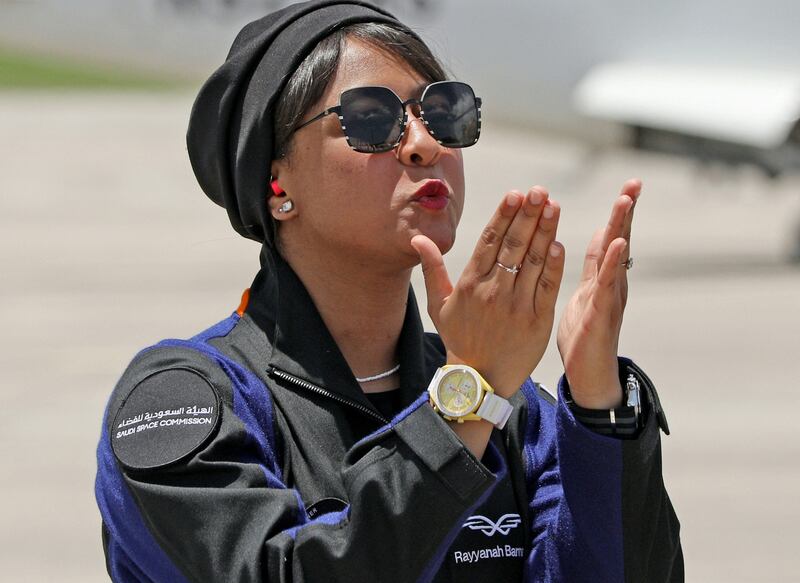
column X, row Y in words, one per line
column 301, row 344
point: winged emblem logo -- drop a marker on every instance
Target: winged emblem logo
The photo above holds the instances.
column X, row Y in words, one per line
column 503, row 525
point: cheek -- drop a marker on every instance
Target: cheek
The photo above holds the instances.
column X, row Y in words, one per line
column 355, row 184
column 331, row 176
column 454, row 172
column 348, row 188
column 342, row 168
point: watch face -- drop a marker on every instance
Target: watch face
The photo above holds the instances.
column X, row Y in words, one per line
column 458, row 392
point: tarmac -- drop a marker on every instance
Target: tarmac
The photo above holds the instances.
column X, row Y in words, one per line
column 107, row 245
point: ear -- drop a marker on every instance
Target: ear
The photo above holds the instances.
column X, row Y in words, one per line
column 277, row 204
column 278, row 173
column 276, row 168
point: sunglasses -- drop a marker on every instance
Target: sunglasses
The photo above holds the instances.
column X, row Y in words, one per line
column 374, row 119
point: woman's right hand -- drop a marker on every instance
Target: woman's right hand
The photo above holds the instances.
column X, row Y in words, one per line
column 493, row 320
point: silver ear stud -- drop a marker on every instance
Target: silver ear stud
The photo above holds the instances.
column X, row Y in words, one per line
column 286, row 207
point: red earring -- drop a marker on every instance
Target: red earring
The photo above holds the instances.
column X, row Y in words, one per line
column 277, row 189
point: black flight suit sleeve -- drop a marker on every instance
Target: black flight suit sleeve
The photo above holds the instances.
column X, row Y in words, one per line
column 599, row 510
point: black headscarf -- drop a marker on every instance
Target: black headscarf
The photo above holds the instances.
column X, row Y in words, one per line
column 231, row 137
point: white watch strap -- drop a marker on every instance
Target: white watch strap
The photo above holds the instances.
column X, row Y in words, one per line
column 496, row 410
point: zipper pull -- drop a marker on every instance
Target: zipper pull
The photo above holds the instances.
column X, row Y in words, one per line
column 633, row 395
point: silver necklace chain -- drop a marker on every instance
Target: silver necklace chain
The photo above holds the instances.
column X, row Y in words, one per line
column 379, row 376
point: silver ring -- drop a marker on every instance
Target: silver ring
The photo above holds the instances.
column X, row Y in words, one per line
column 515, row 269
column 628, row 264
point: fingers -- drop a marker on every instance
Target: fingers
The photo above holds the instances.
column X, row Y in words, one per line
column 633, row 189
column 522, row 233
column 616, row 222
column 609, row 272
column 535, row 257
column 619, row 224
column 549, row 281
column 488, row 246
column 517, row 239
column 437, row 281
column 594, row 255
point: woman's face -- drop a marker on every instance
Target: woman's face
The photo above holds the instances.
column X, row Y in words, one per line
column 368, row 206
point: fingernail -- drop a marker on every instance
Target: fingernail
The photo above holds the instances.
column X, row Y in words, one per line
column 536, row 197
column 555, row 250
column 548, row 212
column 511, row 200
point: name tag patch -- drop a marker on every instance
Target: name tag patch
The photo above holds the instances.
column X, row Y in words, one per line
column 167, row 417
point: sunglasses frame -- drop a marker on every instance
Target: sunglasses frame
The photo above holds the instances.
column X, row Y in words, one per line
column 337, row 109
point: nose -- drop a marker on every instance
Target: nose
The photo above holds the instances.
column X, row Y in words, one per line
column 418, row 147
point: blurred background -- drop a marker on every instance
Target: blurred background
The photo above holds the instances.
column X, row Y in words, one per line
column 107, row 243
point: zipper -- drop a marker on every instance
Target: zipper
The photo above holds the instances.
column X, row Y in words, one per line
column 634, row 396
column 652, row 396
column 273, row 373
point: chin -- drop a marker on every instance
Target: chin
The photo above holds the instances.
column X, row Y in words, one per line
column 443, row 233
column 443, row 241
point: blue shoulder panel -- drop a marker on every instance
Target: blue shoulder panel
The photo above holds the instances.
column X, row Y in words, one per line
column 133, row 553
column 252, row 402
column 141, row 558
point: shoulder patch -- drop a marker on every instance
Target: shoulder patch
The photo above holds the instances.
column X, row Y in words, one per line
column 545, row 394
column 166, row 417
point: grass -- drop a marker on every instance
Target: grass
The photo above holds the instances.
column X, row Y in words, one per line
column 27, row 71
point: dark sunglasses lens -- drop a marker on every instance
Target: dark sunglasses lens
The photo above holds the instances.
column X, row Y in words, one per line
column 451, row 111
column 373, row 118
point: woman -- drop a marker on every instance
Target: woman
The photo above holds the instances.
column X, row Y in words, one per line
column 294, row 441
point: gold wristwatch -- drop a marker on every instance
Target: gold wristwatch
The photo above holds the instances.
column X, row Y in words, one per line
column 459, row 393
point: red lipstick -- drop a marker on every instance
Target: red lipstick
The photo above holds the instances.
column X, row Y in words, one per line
column 433, row 195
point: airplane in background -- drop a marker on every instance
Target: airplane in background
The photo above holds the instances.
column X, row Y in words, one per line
column 723, row 112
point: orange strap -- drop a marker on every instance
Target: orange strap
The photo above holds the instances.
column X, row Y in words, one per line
column 243, row 304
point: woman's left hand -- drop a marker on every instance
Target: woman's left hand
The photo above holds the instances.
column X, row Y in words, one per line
column 588, row 334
